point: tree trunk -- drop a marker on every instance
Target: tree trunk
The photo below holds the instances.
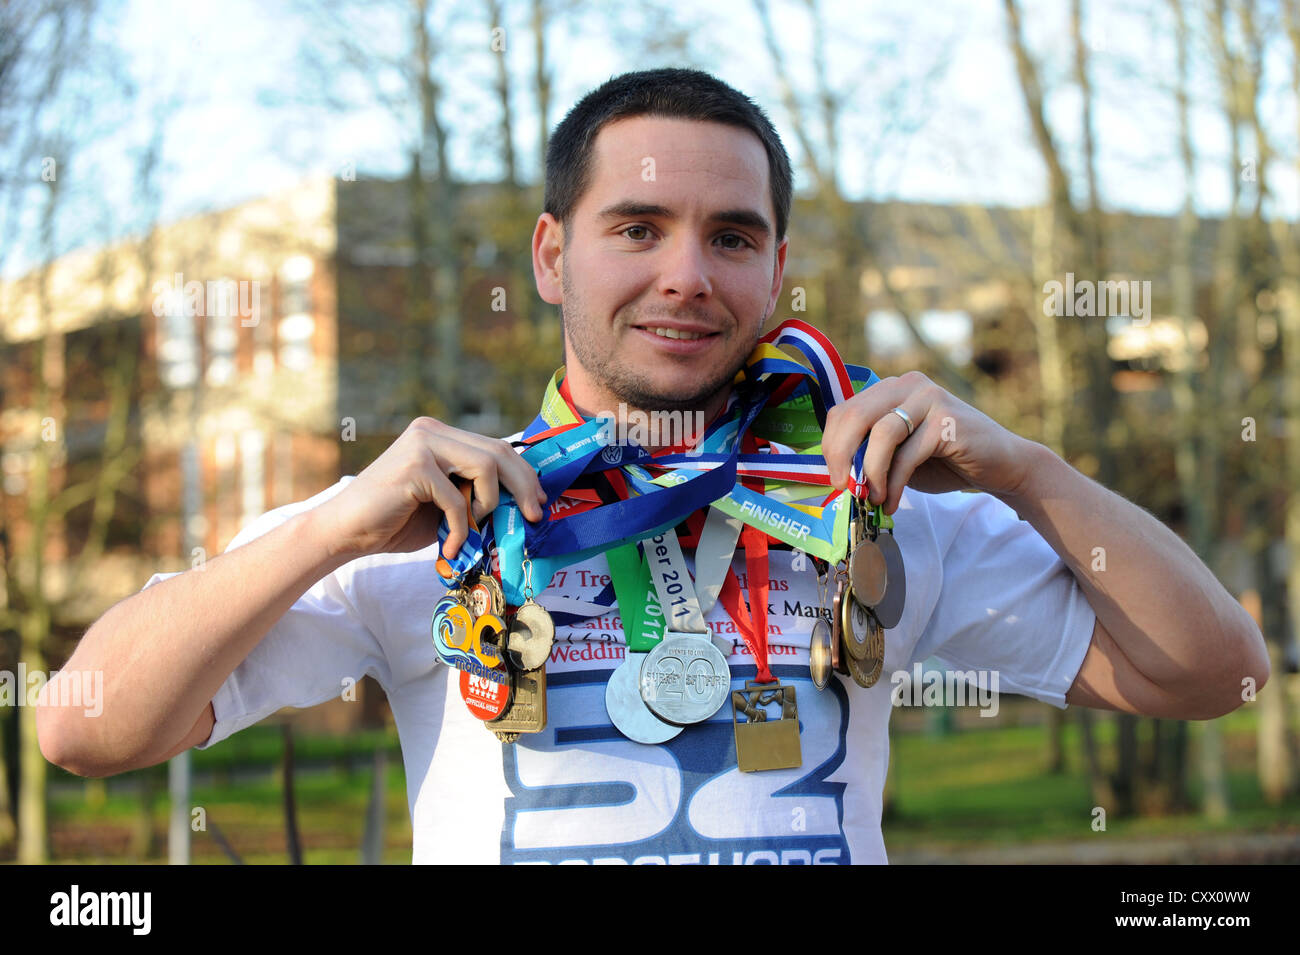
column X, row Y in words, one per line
column 290, row 806
column 8, row 830
column 1215, row 804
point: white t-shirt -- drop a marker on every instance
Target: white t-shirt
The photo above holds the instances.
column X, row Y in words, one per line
column 984, row 592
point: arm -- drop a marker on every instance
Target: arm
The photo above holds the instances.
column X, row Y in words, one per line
column 1169, row 640
column 165, row 651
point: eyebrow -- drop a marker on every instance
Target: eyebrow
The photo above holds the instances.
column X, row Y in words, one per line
column 631, row 209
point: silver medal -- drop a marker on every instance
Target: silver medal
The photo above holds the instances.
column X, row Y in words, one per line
column 889, row 611
column 627, row 711
column 685, row 679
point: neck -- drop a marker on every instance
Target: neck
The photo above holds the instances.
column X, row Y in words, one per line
column 654, row 429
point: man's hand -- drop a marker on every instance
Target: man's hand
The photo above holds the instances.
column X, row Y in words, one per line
column 1169, row 641
column 953, row 446
column 397, row 503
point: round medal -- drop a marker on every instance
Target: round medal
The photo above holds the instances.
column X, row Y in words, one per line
column 858, row 635
column 889, row 610
column 685, row 679
column 627, row 711
column 867, row 573
column 862, row 628
column 819, row 654
column 485, row 697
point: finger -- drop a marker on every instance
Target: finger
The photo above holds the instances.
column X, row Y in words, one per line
column 848, row 423
column 513, row 472
column 522, row 481
column 889, row 434
column 476, row 473
column 451, row 501
column 908, row 456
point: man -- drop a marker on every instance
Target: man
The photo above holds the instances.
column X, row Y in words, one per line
column 665, row 282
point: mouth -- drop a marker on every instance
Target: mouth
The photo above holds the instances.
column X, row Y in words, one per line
column 678, row 336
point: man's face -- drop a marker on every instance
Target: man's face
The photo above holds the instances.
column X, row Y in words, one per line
column 671, row 265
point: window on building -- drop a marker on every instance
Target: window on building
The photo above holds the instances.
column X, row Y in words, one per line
column 296, row 326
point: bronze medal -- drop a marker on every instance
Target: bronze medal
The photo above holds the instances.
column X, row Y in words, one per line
column 763, row 743
column 868, row 573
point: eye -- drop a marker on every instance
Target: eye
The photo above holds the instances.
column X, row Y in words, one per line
column 637, row 228
column 735, row 235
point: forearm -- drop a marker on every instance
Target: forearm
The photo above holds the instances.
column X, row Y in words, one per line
column 163, row 653
column 1168, row 613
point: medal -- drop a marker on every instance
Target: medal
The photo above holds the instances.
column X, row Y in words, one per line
column 819, row 654
column 889, row 611
column 867, row 571
column 463, row 640
column 763, row 743
column 858, row 636
column 863, row 631
column 532, row 631
column 636, row 599
column 838, row 653
column 486, row 694
column 627, row 711
column 685, row 678
column 526, row 712
column 819, row 640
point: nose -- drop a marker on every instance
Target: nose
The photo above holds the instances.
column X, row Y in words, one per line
column 685, row 272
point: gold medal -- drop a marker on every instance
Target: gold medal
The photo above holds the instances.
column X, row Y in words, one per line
column 838, row 653
column 820, row 646
column 861, row 630
column 819, row 654
column 527, row 710
column 762, row 743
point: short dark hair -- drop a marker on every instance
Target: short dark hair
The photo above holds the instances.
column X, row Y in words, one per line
column 671, row 92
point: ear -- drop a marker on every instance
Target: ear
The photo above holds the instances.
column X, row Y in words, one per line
column 778, row 274
column 548, row 258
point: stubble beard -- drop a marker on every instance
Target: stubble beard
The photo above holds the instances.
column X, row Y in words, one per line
column 621, row 381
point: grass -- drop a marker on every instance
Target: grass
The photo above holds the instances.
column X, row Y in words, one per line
column 977, row 786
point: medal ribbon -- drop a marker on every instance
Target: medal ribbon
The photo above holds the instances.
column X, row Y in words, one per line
column 781, row 400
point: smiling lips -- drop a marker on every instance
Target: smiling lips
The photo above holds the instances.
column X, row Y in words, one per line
column 677, row 333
